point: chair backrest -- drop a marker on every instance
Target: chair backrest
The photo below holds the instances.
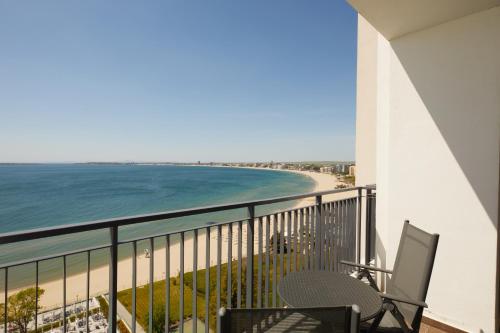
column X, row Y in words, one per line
column 413, row 268
column 322, row 319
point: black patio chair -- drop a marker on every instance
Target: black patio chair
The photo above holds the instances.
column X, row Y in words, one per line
column 322, row 320
column 404, row 300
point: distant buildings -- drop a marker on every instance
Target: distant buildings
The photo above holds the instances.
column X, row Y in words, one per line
column 352, row 170
column 327, row 169
column 343, row 168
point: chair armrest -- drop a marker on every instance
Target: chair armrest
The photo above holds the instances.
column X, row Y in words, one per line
column 370, row 268
column 403, row 300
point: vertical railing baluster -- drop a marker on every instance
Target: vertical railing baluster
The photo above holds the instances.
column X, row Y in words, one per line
column 352, row 240
column 275, row 250
column 347, row 221
column 282, row 244
column 238, row 293
column 321, row 236
column 167, row 284
column 295, row 239
column 352, row 245
column 36, row 296
column 324, row 237
column 353, row 230
column 330, row 237
column 195, row 280
column 181, row 284
column 218, row 282
column 134, row 286
column 319, row 242
column 348, row 231
column 310, row 243
column 307, row 239
column 328, row 243
column 259, row 264
column 207, row 279
column 344, row 233
column 301, row 240
column 312, row 238
column 368, row 226
column 250, row 254
column 341, row 230
column 5, row 298
column 64, row 294
column 151, row 284
column 87, row 305
column 358, row 226
column 113, row 279
column 229, row 263
column 328, row 240
column 282, row 249
column 289, row 241
column 267, row 272
column 337, row 236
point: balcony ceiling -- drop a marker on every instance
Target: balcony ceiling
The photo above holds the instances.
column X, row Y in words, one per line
column 394, row 18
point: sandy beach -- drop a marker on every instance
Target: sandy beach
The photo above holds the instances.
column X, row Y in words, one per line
column 76, row 284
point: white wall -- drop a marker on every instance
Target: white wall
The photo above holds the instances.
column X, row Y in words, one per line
column 366, row 100
column 438, row 143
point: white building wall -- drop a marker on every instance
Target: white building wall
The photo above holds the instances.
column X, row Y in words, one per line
column 366, row 104
column 437, row 157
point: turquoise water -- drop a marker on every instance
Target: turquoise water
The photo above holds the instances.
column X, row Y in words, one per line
column 34, row 196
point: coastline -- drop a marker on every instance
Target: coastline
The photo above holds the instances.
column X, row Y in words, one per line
column 76, row 284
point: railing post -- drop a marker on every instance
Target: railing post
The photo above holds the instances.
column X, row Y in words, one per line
column 318, row 239
column 250, row 251
column 113, row 278
column 368, row 226
column 151, row 283
column 358, row 227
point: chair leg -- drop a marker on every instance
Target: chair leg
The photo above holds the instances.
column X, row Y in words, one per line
column 377, row 320
column 417, row 320
column 401, row 320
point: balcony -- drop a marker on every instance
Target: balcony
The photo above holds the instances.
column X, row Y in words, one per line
column 143, row 272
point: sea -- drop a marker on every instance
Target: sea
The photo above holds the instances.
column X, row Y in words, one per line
column 45, row 195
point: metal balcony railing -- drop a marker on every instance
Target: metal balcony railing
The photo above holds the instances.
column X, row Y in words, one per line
column 268, row 246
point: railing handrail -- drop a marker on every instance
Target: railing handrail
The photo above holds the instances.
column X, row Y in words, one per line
column 25, row 235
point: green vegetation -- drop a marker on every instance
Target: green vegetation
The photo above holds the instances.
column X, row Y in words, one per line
column 21, row 308
column 104, row 306
column 125, row 296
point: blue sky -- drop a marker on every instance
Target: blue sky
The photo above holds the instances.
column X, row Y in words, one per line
column 176, row 80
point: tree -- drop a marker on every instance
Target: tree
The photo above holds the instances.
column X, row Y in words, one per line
column 22, row 307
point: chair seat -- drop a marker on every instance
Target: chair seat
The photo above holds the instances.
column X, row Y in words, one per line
column 294, row 322
column 388, row 324
column 278, row 320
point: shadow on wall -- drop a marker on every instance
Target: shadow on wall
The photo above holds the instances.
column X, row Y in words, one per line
column 381, row 260
column 457, row 75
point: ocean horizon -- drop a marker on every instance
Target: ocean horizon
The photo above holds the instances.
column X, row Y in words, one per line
column 45, row 195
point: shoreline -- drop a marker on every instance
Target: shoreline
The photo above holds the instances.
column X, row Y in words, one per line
column 76, row 284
